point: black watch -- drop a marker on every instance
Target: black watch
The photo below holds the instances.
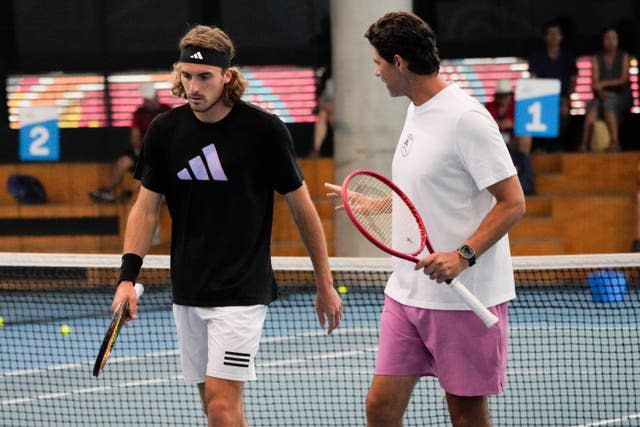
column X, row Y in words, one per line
column 468, row 253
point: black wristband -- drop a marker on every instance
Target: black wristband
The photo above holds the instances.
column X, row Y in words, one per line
column 130, row 267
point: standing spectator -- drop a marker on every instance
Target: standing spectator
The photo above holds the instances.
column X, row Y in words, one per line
column 452, row 162
column 323, row 127
column 635, row 245
column 322, row 144
column 502, row 109
column 611, row 90
column 555, row 62
column 142, row 117
column 218, row 162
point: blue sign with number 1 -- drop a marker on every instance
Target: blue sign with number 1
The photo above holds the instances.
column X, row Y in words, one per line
column 537, row 108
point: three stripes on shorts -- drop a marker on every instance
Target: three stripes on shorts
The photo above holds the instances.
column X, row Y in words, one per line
column 232, row 358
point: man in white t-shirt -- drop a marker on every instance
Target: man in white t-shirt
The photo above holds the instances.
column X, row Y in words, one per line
column 453, row 164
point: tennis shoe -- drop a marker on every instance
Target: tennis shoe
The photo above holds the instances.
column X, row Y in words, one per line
column 102, row 196
column 125, row 196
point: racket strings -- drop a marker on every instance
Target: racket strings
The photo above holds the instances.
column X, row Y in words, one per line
column 407, row 234
column 383, row 214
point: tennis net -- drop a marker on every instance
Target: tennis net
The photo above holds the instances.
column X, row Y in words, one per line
column 573, row 361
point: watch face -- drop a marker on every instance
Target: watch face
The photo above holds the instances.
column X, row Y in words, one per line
column 466, row 251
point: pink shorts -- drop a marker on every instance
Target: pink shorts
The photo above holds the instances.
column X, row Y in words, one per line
column 468, row 358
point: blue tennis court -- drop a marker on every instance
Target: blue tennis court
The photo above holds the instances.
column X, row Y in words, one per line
column 573, row 362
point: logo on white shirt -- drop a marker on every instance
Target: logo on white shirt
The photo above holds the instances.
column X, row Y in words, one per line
column 405, row 147
column 196, row 55
column 201, row 170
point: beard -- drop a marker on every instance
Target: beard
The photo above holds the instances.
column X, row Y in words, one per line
column 393, row 92
column 202, row 106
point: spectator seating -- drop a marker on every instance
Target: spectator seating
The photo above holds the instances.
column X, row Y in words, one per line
column 70, row 222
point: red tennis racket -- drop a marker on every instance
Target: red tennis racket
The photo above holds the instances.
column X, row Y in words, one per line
column 388, row 218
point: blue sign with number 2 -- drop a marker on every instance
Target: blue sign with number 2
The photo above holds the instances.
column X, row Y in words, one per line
column 39, row 136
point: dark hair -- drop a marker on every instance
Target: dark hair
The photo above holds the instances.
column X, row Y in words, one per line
column 608, row 28
column 405, row 34
column 553, row 23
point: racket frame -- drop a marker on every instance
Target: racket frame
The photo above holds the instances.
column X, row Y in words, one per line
column 112, row 333
column 487, row 317
column 424, row 240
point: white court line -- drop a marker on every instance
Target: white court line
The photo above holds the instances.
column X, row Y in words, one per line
column 15, row 401
column 554, row 370
column 264, row 340
column 22, row 372
column 164, row 353
column 611, row 421
column 53, row 395
column 82, row 365
column 145, row 382
column 84, row 390
column 267, row 364
column 314, row 371
column 320, row 333
column 65, row 366
column 320, row 356
column 573, row 327
column 89, row 390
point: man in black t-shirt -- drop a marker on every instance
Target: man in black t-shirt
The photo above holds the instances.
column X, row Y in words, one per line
column 556, row 62
column 217, row 161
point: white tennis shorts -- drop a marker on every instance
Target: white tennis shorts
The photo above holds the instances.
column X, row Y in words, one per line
column 219, row 342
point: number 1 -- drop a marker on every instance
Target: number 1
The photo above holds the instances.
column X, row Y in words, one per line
column 535, row 125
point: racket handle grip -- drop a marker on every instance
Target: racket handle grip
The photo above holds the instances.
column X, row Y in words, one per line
column 139, row 289
column 487, row 317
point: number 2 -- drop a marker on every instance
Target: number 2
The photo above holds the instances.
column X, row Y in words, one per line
column 40, row 136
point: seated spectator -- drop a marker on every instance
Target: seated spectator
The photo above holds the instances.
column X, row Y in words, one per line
column 611, row 90
column 555, row 62
column 502, row 109
column 142, row 117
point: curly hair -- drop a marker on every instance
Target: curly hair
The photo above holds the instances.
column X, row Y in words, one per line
column 405, row 34
column 216, row 39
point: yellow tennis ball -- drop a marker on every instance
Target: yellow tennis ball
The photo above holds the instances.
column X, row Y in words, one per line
column 342, row 289
column 1, row 321
column 65, row 329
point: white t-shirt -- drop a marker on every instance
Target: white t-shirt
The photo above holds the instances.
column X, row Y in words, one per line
column 449, row 152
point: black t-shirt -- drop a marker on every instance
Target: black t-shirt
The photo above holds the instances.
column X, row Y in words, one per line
column 563, row 68
column 218, row 181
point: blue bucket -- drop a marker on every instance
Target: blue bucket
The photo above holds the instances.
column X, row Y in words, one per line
column 607, row 285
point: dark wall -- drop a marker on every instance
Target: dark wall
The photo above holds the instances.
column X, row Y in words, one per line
column 106, row 36
column 96, row 35
column 116, row 35
column 484, row 28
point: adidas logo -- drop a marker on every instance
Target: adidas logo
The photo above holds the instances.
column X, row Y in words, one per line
column 197, row 55
column 240, row 360
column 209, row 169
